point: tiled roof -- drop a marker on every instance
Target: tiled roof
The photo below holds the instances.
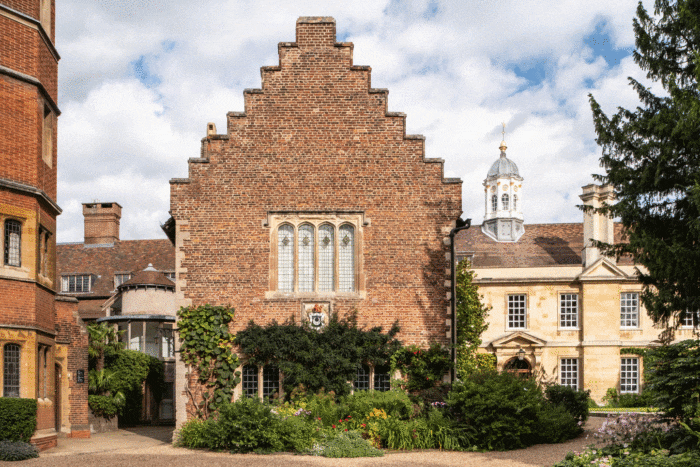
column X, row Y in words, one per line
column 540, row 245
column 146, row 277
column 103, row 261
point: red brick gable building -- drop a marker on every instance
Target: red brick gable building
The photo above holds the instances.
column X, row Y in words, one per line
column 315, row 195
column 43, row 346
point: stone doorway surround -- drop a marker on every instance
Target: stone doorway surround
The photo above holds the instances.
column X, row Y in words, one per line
column 507, row 347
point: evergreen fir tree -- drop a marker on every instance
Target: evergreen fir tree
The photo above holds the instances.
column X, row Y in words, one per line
column 651, row 156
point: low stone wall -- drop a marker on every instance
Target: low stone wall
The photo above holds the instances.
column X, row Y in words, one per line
column 101, row 424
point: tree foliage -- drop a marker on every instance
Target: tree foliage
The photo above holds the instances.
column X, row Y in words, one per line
column 651, row 156
column 471, row 321
column 103, row 339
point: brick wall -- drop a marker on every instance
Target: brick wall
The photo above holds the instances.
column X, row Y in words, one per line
column 71, row 332
column 316, row 138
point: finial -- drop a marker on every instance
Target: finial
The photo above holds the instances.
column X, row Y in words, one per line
column 503, row 146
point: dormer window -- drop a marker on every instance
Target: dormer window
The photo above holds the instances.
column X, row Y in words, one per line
column 77, row 283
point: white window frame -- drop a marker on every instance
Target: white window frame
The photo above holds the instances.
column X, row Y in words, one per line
column 567, row 310
column 511, row 309
column 505, row 202
column 569, row 372
column 629, row 375
column 66, row 282
column 687, row 321
column 629, row 313
column 120, row 278
column 340, row 261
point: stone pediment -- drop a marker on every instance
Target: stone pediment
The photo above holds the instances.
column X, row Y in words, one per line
column 518, row 339
column 602, row 269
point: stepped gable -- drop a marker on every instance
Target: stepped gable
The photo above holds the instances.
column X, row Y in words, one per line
column 315, row 87
column 540, row 245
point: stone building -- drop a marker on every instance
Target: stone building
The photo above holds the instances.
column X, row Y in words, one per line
column 561, row 310
column 43, row 345
column 315, row 196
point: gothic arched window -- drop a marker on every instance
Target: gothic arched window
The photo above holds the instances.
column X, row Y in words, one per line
column 505, row 202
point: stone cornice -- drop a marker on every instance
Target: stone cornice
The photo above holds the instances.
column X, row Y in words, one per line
column 4, row 183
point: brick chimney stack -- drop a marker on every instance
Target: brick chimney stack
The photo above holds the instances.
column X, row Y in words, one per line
column 596, row 226
column 101, row 222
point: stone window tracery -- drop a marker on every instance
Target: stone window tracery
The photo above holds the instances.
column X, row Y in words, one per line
column 315, row 253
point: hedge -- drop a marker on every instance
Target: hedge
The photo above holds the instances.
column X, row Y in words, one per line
column 17, row 418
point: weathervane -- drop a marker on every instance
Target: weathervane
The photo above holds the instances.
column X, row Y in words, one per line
column 503, row 146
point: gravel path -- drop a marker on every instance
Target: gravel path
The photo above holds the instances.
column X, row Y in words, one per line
column 150, row 447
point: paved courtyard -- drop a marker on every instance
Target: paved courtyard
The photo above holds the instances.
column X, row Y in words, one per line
column 151, row 447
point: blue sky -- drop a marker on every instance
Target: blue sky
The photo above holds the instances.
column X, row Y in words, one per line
column 139, row 80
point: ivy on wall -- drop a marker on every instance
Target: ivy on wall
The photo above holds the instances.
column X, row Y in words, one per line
column 206, row 348
column 318, row 359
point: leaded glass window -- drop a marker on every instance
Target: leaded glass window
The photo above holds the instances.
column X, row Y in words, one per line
column 346, row 258
column 271, row 381
column 505, row 201
column 326, row 258
column 361, row 382
column 306, row 258
column 76, row 284
column 13, row 242
column 382, row 382
column 285, row 258
column 494, row 203
column 10, row 374
column 250, row 381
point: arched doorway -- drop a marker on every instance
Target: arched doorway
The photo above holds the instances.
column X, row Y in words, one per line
column 520, row 367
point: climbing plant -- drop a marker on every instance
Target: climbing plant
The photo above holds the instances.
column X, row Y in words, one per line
column 206, row 348
column 423, row 368
column 318, row 359
column 471, row 322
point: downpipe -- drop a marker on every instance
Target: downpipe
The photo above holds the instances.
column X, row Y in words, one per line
column 460, row 225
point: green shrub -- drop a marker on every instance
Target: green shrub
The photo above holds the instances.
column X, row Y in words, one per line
column 395, row 403
column 346, row 444
column 105, row 406
column 499, row 410
column 324, row 406
column 17, row 418
column 556, row 424
column 635, row 459
column 17, row 451
column 297, row 433
column 194, row 434
column 246, row 425
column 575, row 402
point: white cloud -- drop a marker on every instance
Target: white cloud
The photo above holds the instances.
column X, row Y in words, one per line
column 448, row 66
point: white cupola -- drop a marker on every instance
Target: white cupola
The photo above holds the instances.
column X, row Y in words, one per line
column 503, row 218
